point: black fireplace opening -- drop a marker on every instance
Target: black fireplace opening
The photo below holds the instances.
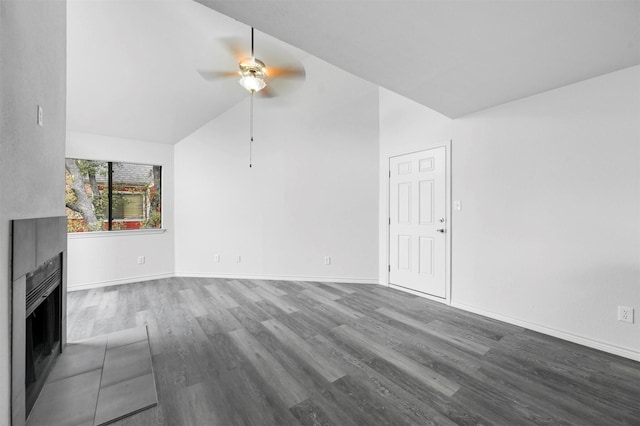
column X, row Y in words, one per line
column 43, row 326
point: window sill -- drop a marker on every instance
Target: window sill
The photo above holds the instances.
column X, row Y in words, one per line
column 109, row 234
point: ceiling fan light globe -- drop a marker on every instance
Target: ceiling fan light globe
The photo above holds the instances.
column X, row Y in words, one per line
column 252, row 83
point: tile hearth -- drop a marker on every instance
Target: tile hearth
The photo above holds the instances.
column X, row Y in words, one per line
column 98, row 381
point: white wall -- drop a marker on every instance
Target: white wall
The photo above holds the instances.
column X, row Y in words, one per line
column 106, row 258
column 5, row 274
column 311, row 193
column 33, row 58
column 549, row 233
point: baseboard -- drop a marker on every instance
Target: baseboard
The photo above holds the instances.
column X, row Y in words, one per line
column 110, row 283
column 346, row 280
column 581, row 340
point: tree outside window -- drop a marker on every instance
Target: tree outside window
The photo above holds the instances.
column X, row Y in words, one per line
column 109, row 196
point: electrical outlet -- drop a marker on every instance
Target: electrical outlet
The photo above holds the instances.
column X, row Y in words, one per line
column 141, row 260
column 216, row 258
column 625, row 314
column 40, row 114
column 327, row 260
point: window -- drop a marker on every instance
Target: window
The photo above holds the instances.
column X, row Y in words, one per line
column 110, row 196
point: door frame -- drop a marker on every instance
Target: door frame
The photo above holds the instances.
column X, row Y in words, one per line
column 448, row 203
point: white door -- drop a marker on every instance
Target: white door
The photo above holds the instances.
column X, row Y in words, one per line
column 417, row 225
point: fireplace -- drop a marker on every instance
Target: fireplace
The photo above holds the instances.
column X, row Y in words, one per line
column 38, row 307
column 43, row 326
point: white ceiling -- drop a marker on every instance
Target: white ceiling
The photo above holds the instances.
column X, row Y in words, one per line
column 132, row 64
column 454, row 56
column 133, row 67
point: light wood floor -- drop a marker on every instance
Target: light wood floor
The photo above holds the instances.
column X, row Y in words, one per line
column 249, row 352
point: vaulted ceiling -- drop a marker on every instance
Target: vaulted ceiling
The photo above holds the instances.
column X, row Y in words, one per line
column 456, row 56
column 133, row 65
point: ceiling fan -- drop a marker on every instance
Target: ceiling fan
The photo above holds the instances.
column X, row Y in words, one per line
column 257, row 78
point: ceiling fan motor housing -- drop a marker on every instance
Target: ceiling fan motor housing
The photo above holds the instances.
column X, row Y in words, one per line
column 253, row 67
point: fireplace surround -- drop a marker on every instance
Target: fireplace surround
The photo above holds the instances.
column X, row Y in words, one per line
column 38, row 301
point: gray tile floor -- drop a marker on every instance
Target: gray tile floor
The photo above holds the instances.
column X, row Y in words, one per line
column 98, row 381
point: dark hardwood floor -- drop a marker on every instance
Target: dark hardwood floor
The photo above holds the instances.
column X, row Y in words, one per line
column 250, row 352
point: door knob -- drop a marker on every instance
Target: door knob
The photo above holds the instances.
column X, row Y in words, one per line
column 441, row 230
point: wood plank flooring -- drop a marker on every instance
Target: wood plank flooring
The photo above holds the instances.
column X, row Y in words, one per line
column 254, row 352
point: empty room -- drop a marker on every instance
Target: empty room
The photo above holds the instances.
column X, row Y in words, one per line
column 319, row 212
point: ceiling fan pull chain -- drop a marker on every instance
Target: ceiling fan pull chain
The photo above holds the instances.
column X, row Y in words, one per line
column 251, row 129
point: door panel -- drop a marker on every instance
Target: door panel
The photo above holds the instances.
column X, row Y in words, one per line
column 426, row 256
column 404, row 203
column 404, row 252
column 417, row 209
column 426, row 202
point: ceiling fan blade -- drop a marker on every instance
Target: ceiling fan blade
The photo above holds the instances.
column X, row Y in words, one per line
column 216, row 75
column 285, row 81
column 288, row 72
column 282, row 80
column 237, row 47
